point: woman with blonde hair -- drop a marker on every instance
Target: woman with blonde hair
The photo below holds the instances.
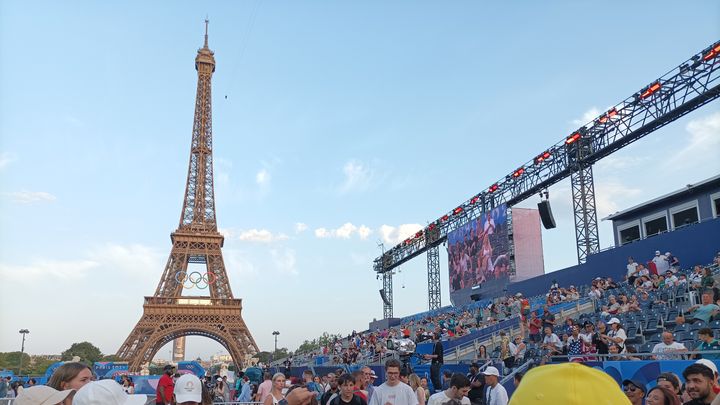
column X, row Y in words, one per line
column 276, row 392
column 416, row 385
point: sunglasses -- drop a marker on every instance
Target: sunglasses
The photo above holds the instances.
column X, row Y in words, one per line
column 630, row 388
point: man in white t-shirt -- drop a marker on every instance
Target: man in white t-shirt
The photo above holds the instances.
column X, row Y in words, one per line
column 668, row 345
column 551, row 342
column 393, row 391
column 458, row 391
column 495, row 393
column 632, row 269
column 661, row 263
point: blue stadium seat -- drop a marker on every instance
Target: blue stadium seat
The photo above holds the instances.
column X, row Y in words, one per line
column 715, row 325
column 683, row 327
column 698, row 325
column 651, row 326
column 646, row 347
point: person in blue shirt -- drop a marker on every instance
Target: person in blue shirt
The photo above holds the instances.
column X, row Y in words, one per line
column 245, row 391
column 704, row 311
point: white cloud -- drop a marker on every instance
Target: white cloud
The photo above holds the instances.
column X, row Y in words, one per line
column 237, row 263
column 261, row 235
column 28, row 197
column 5, row 160
column 284, row 260
column 227, row 232
column 130, row 260
column 300, row 227
column 345, row 231
column 703, row 145
column 394, row 235
column 263, row 177
column 358, row 177
column 322, row 233
column 134, row 259
column 587, row 116
column 364, row 232
column 611, row 196
column 47, row 270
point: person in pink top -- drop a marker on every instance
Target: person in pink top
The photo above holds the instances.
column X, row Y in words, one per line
column 264, row 388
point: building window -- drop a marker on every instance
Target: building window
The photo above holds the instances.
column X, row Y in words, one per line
column 684, row 214
column 656, row 226
column 715, row 202
column 629, row 232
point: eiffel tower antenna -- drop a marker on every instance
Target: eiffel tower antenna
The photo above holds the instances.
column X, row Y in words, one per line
column 167, row 316
column 207, row 22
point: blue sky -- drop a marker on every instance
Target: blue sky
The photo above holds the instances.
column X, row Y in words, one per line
column 337, row 126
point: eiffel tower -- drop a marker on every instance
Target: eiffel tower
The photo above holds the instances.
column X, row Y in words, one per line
column 168, row 315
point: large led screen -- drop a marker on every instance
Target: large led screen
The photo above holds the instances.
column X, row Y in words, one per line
column 478, row 252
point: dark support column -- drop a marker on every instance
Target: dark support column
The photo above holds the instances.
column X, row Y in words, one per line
column 387, row 287
column 433, row 268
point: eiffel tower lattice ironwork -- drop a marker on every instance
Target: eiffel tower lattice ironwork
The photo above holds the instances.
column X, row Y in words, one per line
column 168, row 315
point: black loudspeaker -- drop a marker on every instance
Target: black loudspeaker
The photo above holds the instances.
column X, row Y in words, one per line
column 384, row 298
column 475, row 297
column 546, row 215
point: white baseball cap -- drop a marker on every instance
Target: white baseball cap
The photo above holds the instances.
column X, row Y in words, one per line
column 491, row 371
column 709, row 364
column 106, row 392
column 612, row 321
column 188, row 388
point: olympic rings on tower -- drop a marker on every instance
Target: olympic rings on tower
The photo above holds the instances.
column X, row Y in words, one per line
column 195, row 279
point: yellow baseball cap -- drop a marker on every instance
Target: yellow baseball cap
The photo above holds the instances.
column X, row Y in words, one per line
column 568, row 383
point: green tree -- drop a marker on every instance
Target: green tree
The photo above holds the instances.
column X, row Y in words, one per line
column 322, row 340
column 38, row 365
column 11, row 361
column 264, row 357
column 110, row 357
column 87, row 352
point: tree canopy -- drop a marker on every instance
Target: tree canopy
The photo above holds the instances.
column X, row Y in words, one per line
column 87, row 352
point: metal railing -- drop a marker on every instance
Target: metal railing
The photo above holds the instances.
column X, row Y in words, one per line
column 468, row 350
column 685, row 355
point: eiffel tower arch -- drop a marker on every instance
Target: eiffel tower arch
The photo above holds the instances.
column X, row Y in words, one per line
column 168, row 314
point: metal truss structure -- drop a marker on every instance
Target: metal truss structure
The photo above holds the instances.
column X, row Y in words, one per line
column 168, row 315
column 685, row 88
column 433, row 269
column 388, row 290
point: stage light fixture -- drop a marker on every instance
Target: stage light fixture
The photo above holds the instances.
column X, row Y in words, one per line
column 475, row 199
column 650, row 90
column 572, row 138
column 457, row 210
column 715, row 51
column 517, row 173
column 419, row 233
column 605, row 118
column 542, row 157
column 493, row 188
column 444, row 218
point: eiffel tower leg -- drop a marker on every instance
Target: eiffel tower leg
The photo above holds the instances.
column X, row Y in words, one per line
column 166, row 319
